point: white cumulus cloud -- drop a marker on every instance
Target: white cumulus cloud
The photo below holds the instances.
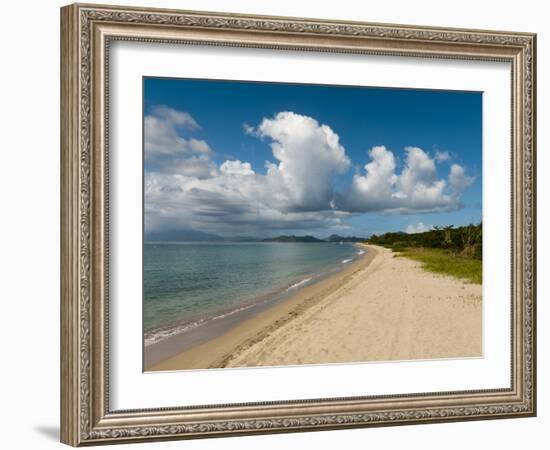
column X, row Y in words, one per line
column 418, row 227
column 458, row 178
column 163, row 137
column 236, row 168
column 185, row 189
column 442, row 156
column 417, row 188
column 194, row 166
column 309, row 156
column 295, row 192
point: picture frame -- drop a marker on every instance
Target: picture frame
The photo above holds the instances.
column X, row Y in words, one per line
column 87, row 33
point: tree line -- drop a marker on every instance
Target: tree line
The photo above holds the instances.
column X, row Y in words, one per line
column 465, row 241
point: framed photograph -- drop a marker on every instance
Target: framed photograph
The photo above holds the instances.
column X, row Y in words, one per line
column 280, row 224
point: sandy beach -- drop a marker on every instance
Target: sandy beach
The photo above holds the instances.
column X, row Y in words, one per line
column 383, row 307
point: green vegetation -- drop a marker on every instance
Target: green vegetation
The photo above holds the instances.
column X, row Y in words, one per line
column 440, row 261
column 447, row 250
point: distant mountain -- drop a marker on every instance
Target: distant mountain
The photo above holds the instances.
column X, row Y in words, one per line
column 198, row 236
column 182, row 235
column 308, row 239
column 337, row 238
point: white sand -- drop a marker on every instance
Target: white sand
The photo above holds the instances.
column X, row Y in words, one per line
column 390, row 310
column 381, row 308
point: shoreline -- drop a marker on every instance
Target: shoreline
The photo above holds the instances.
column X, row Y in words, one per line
column 383, row 308
column 215, row 352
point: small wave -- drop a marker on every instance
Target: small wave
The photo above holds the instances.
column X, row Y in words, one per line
column 299, row 283
column 157, row 336
column 154, row 337
column 345, row 261
column 234, row 311
column 360, row 252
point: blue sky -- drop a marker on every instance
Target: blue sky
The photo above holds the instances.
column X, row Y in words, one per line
column 301, row 153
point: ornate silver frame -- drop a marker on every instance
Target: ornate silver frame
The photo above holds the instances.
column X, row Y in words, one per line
column 86, row 32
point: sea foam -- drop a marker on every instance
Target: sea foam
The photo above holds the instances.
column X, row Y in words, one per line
column 159, row 335
column 299, row 283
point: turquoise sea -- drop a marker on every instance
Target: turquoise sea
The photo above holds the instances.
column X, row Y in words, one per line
column 189, row 284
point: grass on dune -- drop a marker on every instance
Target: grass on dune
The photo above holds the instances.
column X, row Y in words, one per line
column 444, row 262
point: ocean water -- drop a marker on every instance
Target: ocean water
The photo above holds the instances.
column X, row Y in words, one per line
column 188, row 284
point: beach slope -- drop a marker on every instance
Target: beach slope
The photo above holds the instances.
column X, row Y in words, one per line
column 386, row 308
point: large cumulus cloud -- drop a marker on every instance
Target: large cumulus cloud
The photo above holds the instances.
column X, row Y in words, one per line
column 417, row 188
column 309, row 155
column 186, row 189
